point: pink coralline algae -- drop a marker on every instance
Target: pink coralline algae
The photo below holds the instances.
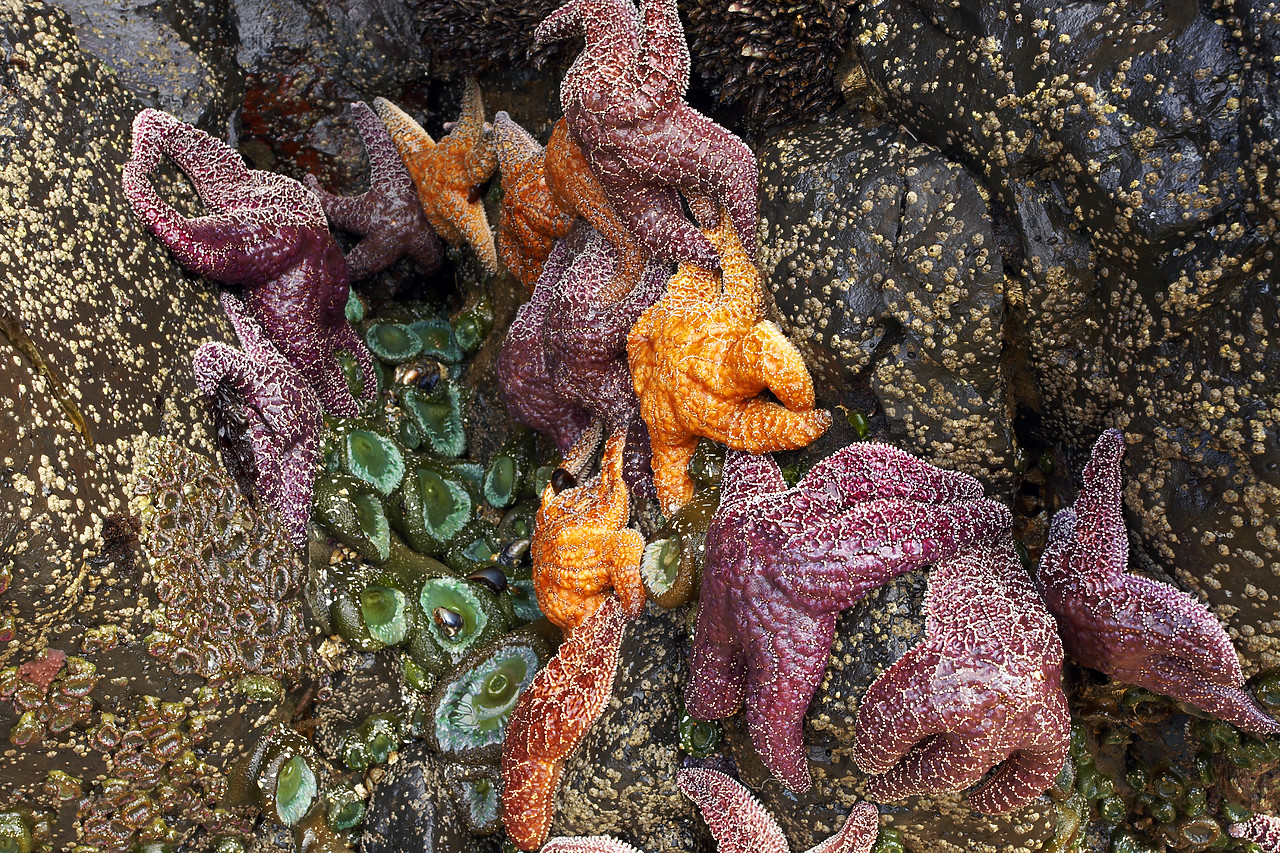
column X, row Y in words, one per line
column 1135, row 629
column 982, row 690
column 781, row 564
column 279, row 411
column 267, row 234
column 388, row 217
column 623, row 99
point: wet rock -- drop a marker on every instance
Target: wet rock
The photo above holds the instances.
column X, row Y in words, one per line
column 1134, row 152
column 870, row 637
column 884, row 268
column 621, row 781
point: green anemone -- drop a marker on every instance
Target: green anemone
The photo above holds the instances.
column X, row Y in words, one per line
column 470, row 713
column 438, row 340
column 431, row 507
column 355, row 307
column 373, row 458
column 386, row 614
column 15, row 835
column 438, row 415
column 1267, row 689
column 524, row 601
column 699, row 738
column 473, row 548
column 707, row 463
column 517, row 523
column 295, row 789
column 457, row 617
column 392, row 342
column 351, row 372
column 279, row 771
column 671, row 567
column 352, row 515
column 371, row 742
column 473, row 324
column 479, row 795
column 345, row 808
column 509, row 470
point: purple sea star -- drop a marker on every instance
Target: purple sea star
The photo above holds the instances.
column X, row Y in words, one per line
column 268, row 234
column 280, row 412
column 387, row 217
column 781, row 564
column 1133, row 628
column 623, row 99
column 981, row 690
column 1263, row 830
column 738, row 822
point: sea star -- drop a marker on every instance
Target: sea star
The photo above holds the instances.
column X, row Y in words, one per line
column 448, row 172
column 582, row 548
column 577, row 188
column 738, row 822
column 1133, row 628
column 698, row 359
column 982, row 690
column 781, row 564
column 623, row 99
column 388, row 217
column 1263, row 830
column 280, row 412
column 554, row 713
column 267, row 233
column 532, row 219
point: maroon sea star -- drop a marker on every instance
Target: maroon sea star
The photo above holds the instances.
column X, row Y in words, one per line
column 1263, row 830
column 738, row 822
column 623, row 99
column 981, row 690
column 781, row 564
column 268, row 234
column 388, row 216
column 1133, row 628
column 280, row 412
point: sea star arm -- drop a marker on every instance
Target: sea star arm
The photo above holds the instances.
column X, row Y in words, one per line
column 764, row 358
column 857, row 835
column 762, row 426
column 737, row 820
column 591, row 844
column 664, row 55
column 1263, row 830
column 747, row 475
column 868, row 470
column 468, row 131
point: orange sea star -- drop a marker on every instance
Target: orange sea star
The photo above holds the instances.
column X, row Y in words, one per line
column 447, row 172
column 698, row 359
column 532, row 218
column 582, row 547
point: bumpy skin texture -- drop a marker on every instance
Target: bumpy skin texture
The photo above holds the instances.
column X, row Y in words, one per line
column 267, row 234
column 447, row 172
column 699, row 357
column 532, row 218
column 1263, row 830
column 982, row 690
column 388, row 217
column 281, row 414
column 1133, row 628
column 781, row 564
column 623, row 100
column 582, row 549
column 550, row 719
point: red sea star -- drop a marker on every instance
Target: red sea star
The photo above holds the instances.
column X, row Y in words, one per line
column 388, row 217
column 268, row 234
column 1133, row 628
column 550, row 719
column 623, row 99
column 981, row 690
column 781, row 564
column 1263, row 830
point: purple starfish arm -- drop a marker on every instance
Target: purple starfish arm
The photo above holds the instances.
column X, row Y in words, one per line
column 279, row 410
column 388, row 217
column 267, row 233
column 1263, row 830
column 1133, row 628
column 623, row 99
column 781, row 564
column 982, row 690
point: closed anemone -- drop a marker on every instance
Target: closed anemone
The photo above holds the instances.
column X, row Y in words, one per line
column 392, row 342
column 500, row 481
column 446, row 506
column 375, row 459
column 481, row 803
column 385, row 611
column 474, row 708
column 437, row 339
column 438, row 415
column 295, row 790
column 353, row 517
column 15, row 835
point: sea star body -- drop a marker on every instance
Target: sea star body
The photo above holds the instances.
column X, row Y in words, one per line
column 532, row 219
column 447, row 172
column 738, row 822
column 554, row 713
column 582, row 549
column 1133, row 628
column 982, row 690
column 572, row 182
column 388, row 217
column 267, row 234
column 700, row 356
column 1263, row 830
column 623, row 99
column 781, row 564
column 280, row 412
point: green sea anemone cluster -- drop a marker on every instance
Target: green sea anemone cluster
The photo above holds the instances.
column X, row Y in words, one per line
column 50, row 704
column 372, row 742
column 671, row 568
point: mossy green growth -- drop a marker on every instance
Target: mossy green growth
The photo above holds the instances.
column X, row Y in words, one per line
column 373, row 458
column 472, row 325
column 469, row 713
column 393, row 343
column 347, row 510
column 458, row 617
column 15, row 833
column 431, row 506
column 473, row 548
column 438, row 340
column 438, row 416
column 508, row 473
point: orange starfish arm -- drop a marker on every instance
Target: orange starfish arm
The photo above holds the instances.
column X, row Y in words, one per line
column 671, row 470
column 764, row 358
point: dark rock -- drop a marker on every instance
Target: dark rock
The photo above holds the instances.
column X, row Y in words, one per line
column 882, row 262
